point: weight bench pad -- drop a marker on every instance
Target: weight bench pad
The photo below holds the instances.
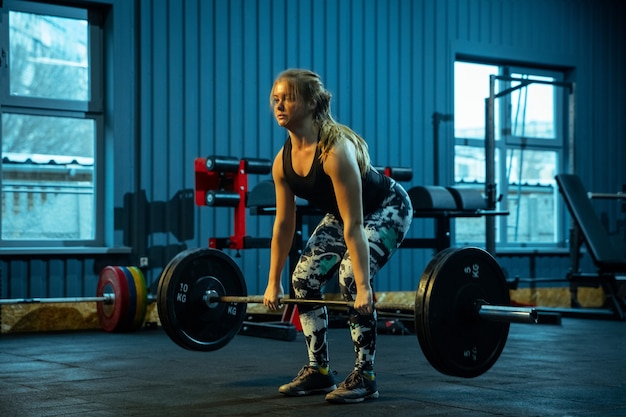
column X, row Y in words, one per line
column 431, row 197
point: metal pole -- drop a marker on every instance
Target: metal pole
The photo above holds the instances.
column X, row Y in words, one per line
column 607, row 196
column 571, row 139
column 106, row 298
column 490, row 172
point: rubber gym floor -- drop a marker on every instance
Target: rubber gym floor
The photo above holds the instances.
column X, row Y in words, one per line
column 575, row 369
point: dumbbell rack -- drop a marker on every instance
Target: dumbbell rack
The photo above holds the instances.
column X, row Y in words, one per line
column 223, row 182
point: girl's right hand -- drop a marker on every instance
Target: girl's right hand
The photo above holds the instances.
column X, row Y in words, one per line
column 272, row 296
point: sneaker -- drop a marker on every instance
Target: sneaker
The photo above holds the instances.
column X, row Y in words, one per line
column 310, row 380
column 358, row 386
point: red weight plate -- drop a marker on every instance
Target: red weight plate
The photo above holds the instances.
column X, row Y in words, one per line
column 112, row 316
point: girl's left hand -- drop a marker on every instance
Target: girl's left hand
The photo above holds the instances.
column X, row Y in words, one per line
column 364, row 303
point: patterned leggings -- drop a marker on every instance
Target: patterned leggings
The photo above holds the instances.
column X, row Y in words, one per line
column 326, row 253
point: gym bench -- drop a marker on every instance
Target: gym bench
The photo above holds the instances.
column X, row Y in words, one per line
column 588, row 228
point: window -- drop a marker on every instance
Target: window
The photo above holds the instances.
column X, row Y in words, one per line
column 530, row 119
column 51, row 115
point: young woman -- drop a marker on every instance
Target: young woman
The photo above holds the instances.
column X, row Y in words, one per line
column 366, row 216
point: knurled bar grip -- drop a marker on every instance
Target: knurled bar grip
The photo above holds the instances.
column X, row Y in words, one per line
column 336, row 303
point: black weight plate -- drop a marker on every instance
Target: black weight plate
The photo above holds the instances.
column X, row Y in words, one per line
column 420, row 305
column 183, row 313
column 458, row 342
column 429, row 347
column 162, row 300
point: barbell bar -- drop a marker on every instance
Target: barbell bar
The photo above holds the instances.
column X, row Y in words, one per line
column 489, row 312
column 107, row 298
column 121, row 297
column 462, row 310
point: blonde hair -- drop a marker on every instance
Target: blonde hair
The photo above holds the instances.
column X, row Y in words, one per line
column 307, row 86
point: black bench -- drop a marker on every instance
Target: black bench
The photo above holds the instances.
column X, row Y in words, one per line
column 442, row 204
column 587, row 227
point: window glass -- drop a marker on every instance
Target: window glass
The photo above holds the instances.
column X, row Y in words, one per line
column 531, row 167
column 530, row 196
column 469, row 164
column 471, row 88
column 48, row 56
column 47, row 177
column 469, row 172
column 533, row 108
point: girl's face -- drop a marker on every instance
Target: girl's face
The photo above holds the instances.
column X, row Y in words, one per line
column 288, row 110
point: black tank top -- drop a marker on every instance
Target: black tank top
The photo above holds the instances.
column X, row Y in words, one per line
column 317, row 187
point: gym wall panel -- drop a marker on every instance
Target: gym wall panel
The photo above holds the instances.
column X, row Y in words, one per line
column 387, row 63
column 37, row 276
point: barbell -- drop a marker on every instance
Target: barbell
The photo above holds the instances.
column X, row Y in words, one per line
column 462, row 307
column 121, row 297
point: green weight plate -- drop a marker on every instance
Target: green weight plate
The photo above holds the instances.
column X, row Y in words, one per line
column 455, row 340
column 141, row 299
column 185, row 316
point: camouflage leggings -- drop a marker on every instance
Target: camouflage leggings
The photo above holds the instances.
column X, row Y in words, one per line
column 326, row 253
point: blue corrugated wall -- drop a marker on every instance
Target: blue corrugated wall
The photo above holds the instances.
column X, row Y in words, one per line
column 200, row 73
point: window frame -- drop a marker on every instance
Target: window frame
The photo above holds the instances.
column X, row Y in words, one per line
column 93, row 108
column 505, row 143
